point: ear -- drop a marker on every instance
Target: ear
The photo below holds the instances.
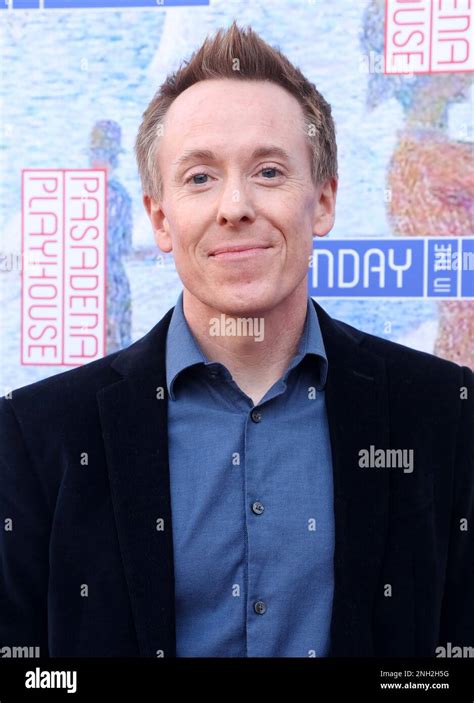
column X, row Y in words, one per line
column 159, row 223
column 325, row 209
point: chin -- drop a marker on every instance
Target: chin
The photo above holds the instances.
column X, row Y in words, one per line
column 244, row 301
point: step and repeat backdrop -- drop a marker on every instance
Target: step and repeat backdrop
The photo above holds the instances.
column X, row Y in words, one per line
column 80, row 274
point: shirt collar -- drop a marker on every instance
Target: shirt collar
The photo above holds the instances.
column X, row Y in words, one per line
column 183, row 351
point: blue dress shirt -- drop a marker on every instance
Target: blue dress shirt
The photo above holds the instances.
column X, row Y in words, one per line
column 251, row 503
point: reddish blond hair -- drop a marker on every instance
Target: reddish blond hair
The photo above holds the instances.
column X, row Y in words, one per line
column 238, row 54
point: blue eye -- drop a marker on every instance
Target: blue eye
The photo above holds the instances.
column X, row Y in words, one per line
column 271, row 168
column 197, row 175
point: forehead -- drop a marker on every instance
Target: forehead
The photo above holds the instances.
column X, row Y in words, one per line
column 227, row 111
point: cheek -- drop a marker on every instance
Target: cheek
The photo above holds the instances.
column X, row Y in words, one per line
column 299, row 232
column 186, row 244
column 300, row 245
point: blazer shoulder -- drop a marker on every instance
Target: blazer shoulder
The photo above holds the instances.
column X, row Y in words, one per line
column 407, row 362
column 73, row 389
column 78, row 380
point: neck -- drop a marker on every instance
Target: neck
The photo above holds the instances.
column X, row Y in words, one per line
column 254, row 365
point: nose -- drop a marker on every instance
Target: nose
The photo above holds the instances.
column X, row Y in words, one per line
column 234, row 204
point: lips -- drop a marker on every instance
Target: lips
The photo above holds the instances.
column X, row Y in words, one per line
column 243, row 255
column 231, row 248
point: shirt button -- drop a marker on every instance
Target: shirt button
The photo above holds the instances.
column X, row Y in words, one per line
column 258, row 507
column 259, row 607
column 256, row 415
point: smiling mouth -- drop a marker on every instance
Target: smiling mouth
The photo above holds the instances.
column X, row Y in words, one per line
column 240, row 253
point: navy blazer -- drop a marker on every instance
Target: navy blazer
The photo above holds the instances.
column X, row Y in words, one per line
column 84, row 478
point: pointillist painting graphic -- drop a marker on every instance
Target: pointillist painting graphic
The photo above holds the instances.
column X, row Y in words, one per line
column 430, row 176
column 104, row 150
column 76, row 79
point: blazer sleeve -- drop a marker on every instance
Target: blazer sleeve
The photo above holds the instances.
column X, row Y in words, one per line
column 24, row 541
column 457, row 618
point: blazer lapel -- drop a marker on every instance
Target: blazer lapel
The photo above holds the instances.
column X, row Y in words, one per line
column 357, row 408
column 133, row 416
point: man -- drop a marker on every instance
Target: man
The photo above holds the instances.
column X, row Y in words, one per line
column 252, row 477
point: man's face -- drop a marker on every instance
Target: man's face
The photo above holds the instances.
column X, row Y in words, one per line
column 235, row 165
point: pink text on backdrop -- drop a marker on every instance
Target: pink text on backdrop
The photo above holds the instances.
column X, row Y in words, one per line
column 64, row 233
column 429, row 36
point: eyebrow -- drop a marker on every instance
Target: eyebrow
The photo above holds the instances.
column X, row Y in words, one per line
column 208, row 155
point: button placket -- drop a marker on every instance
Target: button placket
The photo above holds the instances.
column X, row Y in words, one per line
column 256, row 605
